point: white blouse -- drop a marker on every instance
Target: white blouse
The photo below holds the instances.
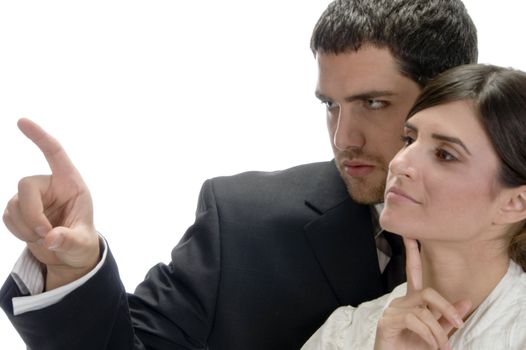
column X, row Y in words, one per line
column 498, row 323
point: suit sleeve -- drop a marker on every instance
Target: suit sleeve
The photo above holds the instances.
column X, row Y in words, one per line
column 173, row 308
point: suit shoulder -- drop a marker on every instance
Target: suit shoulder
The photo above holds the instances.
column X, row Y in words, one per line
column 289, row 181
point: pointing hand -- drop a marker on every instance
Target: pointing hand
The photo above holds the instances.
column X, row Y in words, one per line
column 53, row 214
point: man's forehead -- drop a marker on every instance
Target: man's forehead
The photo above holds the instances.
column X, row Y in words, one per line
column 366, row 73
column 352, row 88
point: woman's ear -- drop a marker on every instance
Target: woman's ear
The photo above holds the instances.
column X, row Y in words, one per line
column 514, row 206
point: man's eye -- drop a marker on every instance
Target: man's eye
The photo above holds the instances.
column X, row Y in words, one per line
column 444, row 155
column 375, row 104
column 329, row 105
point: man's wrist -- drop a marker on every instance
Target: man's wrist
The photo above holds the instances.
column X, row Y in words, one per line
column 58, row 276
column 38, row 300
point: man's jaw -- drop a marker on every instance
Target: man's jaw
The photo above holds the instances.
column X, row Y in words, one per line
column 364, row 189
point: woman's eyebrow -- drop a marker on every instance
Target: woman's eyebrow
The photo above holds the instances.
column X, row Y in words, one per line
column 451, row 139
column 441, row 137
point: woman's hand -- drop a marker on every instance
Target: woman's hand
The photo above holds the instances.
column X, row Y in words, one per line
column 422, row 319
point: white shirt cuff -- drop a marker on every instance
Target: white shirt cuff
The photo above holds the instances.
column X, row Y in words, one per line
column 29, row 277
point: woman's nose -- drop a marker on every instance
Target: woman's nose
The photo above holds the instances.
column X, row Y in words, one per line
column 404, row 163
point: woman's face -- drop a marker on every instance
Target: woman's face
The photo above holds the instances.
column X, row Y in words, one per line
column 442, row 185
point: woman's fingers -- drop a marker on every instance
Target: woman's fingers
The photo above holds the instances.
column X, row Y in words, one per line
column 463, row 308
column 422, row 316
column 413, row 265
column 419, row 321
column 438, row 334
column 431, row 299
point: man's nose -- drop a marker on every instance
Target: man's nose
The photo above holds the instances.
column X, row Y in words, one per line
column 348, row 133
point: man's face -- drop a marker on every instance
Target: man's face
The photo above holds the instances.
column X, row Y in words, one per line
column 367, row 101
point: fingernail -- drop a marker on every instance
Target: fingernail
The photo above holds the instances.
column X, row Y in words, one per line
column 56, row 242
column 41, row 231
column 458, row 321
column 40, row 242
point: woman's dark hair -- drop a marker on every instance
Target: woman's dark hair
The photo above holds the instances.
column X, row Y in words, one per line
column 425, row 37
column 499, row 97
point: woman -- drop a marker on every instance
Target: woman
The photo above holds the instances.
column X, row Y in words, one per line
column 458, row 187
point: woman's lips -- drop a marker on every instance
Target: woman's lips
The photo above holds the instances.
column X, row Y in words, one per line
column 395, row 193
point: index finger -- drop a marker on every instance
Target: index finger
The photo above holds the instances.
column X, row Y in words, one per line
column 413, row 265
column 56, row 156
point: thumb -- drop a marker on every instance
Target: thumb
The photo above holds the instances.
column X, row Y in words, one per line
column 55, row 239
column 77, row 251
column 73, row 247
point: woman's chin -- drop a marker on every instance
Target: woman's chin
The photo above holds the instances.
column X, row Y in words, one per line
column 392, row 224
column 386, row 221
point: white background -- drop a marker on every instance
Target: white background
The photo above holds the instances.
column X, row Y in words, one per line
column 150, row 98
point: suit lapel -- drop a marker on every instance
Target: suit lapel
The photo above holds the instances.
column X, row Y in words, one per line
column 342, row 241
column 394, row 273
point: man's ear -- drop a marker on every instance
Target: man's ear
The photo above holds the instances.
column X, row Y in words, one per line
column 514, row 207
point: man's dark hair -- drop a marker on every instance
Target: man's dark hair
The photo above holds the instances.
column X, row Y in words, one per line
column 426, row 37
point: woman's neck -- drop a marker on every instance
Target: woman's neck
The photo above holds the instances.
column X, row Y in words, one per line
column 463, row 271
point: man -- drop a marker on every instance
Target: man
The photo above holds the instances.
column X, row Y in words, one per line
column 270, row 255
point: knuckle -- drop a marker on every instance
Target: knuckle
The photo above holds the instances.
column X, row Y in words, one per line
column 13, row 202
column 11, row 227
column 381, row 323
column 396, row 301
column 423, row 313
column 427, row 293
column 24, row 183
column 408, row 318
column 389, row 311
column 5, row 216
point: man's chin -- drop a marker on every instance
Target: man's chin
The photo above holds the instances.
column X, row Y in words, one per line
column 364, row 192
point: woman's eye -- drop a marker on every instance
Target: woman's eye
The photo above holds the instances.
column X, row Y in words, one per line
column 444, row 155
column 407, row 140
column 375, row 104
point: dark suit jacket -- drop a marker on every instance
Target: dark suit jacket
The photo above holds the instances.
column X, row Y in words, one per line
column 268, row 258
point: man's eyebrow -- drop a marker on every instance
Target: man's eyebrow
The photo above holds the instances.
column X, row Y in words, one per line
column 320, row 96
column 440, row 137
column 367, row 95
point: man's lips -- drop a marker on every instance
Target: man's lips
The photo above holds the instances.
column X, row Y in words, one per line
column 357, row 168
column 396, row 193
